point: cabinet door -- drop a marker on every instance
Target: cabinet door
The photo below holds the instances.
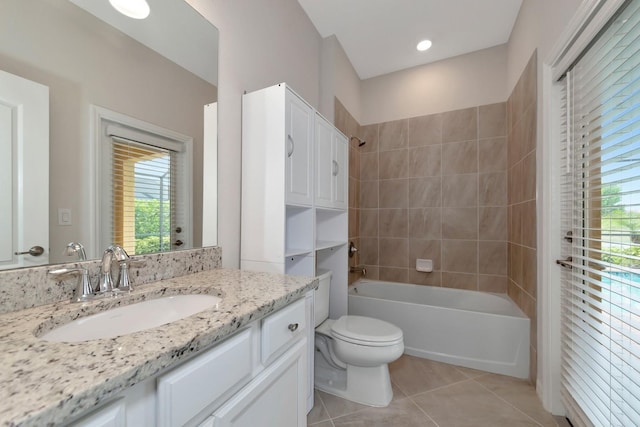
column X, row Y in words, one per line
column 298, row 152
column 340, row 171
column 111, row 415
column 276, row 397
column 324, row 162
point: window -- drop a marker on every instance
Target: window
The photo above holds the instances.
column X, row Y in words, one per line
column 144, row 204
column 601, row 208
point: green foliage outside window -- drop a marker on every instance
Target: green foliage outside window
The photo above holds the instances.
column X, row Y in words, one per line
column 148, row 226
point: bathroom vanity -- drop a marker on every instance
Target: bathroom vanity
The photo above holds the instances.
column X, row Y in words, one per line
column 243, row 362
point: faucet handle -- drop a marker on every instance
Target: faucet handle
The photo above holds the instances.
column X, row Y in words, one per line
column 124, row 281
column 84, row 291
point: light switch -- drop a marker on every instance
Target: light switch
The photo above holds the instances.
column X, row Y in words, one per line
column 64, row 216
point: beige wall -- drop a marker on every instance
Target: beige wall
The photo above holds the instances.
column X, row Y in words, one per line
column 538, row 26
column 61, row 46
column 522, row 118
column 469, row 80
column 432, row 187
column 338, row 80
column 262, row 42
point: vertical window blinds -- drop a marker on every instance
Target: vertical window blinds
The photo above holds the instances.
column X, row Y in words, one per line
column 601, row 207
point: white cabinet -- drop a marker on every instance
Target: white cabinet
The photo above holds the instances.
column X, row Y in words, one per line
column 331, row 159
column 298, row 170
column 295, row 172
column 276, row 397
column 258, row 376
column 111, row 415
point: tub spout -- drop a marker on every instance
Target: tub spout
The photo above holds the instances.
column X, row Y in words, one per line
column 360, row 270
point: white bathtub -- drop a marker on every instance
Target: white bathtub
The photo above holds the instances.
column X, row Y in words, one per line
column 474, row 329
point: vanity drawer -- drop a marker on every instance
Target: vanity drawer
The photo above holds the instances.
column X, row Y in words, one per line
column 196, row 385
column 281, row 328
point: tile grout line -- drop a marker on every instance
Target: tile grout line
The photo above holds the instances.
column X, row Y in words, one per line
column 508, row 403
column 424, row 412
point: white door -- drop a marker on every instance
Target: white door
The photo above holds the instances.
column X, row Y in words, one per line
column 340, row 171
column 324, row 163
column 299, row 125
column 276, row 397
column 24, row 172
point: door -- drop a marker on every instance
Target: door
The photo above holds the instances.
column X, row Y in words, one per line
column 276, row 397
column 601, row 220
column 24, row 172
column 340, row 170
column 298, row 169
column 324, row 162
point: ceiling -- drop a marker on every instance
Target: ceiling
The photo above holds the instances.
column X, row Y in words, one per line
column 380, row 36
column 181, row 44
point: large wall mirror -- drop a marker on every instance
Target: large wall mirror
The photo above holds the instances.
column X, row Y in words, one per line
column 160, row 71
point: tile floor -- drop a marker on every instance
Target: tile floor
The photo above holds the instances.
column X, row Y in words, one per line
column 433, row 394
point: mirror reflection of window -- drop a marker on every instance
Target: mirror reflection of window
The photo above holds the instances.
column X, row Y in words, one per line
column 145, row 190
column 143, row 197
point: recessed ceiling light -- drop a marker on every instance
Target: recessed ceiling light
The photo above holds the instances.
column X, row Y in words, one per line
column 136, row 9
column 424, row 45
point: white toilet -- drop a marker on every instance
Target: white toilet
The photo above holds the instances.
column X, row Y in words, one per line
column 353, row 353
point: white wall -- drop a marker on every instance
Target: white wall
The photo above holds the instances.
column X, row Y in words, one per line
column 262, row 42
column 477, row 78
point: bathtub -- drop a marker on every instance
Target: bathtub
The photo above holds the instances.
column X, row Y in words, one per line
column 466, row 328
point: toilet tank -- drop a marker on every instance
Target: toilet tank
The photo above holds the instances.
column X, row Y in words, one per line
column 321, row 303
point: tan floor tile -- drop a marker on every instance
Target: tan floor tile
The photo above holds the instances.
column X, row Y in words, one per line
column 414, row 375
column 323, row 424
column 337, row 406
column 471, row 373
column 319, row 412
column 561, row 421
column 520, row 394
column 400, row 413
column 467, row 404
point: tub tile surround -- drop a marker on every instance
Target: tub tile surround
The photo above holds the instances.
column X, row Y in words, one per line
column 30, row 287
column 433, row 187
column 428, row 393
column 521, row 154
column 37, row 391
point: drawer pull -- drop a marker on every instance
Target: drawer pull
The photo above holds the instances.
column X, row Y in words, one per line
column 293, row 327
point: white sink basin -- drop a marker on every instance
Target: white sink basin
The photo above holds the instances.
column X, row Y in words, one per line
column 131, row 318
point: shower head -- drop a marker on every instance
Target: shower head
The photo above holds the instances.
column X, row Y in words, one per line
column 360, row 142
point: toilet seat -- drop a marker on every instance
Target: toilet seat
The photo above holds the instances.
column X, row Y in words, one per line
column 366, row 331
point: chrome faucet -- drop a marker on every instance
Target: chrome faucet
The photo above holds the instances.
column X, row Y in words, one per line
column 84, row 291
column 105, row 282
column 77, row 249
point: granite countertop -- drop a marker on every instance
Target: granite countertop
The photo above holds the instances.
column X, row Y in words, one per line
column 46, row 383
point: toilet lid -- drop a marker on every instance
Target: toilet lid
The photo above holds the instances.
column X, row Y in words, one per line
column 366, row 331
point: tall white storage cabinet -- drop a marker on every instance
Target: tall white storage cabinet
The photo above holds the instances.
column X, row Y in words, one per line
column 294, row 190
column 295, row 174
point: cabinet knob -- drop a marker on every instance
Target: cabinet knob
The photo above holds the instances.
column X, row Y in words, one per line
column 293, row 327
column 336, row 168
column 291, row 146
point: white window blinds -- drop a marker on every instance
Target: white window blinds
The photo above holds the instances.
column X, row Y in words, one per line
column 601, row 208
column 143, row 207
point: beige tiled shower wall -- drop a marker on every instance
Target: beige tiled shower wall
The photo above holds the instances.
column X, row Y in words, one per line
column 435, row 187
column 522, row 286
column 345, row 122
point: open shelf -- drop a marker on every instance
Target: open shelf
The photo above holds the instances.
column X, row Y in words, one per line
column 327, row 244
column 299, row 230
column 331, row 226
column 300, row 265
